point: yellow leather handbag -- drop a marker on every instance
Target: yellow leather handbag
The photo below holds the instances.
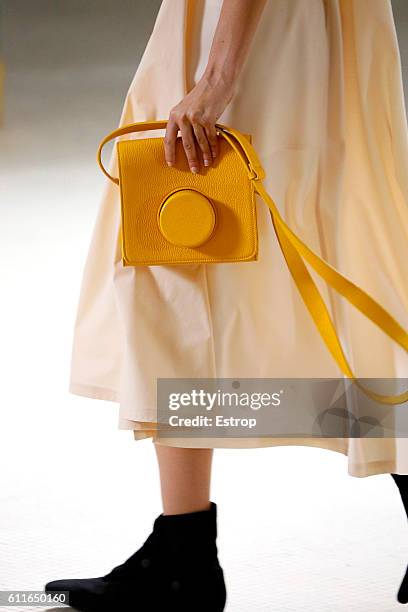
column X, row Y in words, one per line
column 172, row 216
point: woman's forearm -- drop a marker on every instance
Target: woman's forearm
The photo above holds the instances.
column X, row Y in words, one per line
column 196, row 114
column 236, row 27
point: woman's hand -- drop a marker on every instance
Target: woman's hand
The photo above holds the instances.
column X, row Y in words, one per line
column 195, row 116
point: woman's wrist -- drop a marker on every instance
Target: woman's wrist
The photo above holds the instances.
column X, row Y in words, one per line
column 217, row 76
column 220, row 79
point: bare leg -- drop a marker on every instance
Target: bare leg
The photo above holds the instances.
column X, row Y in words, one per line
column 185, row 478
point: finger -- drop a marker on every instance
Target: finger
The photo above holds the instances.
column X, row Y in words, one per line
column 212, row 138
column 187, row 136
column 170, row 142
column 203, row 143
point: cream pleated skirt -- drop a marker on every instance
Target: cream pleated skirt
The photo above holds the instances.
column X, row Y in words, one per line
column 321, row 93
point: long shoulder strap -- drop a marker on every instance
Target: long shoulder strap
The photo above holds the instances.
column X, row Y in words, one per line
column 294, row 249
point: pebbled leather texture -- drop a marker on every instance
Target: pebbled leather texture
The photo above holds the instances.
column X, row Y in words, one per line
column 146, row 181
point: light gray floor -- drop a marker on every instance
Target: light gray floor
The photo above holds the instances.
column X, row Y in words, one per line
column 296, row 533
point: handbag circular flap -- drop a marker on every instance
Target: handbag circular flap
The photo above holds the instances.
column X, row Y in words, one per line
column 186, row 218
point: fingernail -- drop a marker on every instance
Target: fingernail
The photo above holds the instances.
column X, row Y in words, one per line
column 214, row 153
column 169, row 163
column 207, row 162
column 194, row 169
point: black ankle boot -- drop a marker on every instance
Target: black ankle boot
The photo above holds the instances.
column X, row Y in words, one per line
column 176, row 570
column 401, row 480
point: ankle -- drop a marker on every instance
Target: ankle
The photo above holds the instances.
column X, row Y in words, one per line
column 190, row 532
column 186, row 508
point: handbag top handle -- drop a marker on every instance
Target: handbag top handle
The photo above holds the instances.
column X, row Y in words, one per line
column 237, row 140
